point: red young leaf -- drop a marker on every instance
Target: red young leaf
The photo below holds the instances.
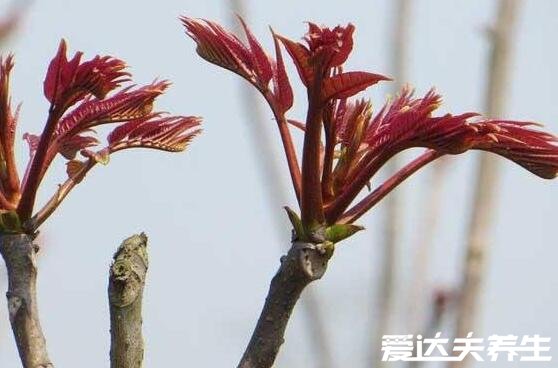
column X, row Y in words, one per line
column 348, row 84
column 356, row 119
column 32, row 141
column 282, row 89
column 400, row 120
column 163, row 133
column 73, row 168
column 260, row 59
column 69, row 147
column 100, row 75
column 120, row 132
column 125, row 105
column 351, row 122
column 218, row 46
column 69, row 81
column 333, row 45
column 407, row 123
column 8, row 122
column 327, row 49
column 343, row 112
column 301, row 58
column 535, row 150
column 60, row 72
column 235, row 45
column 532, row 149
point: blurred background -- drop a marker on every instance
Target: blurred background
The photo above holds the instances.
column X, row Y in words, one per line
column 213, row 215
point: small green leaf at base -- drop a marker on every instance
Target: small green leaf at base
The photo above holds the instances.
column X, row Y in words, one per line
column 10, row 223
column 297, row 223
column 337, row 232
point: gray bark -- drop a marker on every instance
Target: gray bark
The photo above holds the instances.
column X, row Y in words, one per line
column 125, row 292
column 20, row 256
column 304, row 263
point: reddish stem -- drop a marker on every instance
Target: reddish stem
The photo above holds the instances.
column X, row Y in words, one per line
column 365, row 171
column 37, row 170
column 312, row 213
column 379, row 193
column 13, row 178
column 4, row 203
column 11, row 181
column 288, row 146
column 330, row 142
column 60, row 194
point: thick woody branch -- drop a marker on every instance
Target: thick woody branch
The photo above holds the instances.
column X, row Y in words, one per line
column 304, row 263
column 125, row 292
column 20, row 256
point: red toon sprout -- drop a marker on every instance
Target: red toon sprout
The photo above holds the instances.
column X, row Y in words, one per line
column 345, row 143
column 82, row 96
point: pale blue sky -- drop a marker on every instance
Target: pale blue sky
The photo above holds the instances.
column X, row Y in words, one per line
column 212, row 244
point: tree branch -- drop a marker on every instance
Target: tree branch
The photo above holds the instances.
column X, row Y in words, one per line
column 441, row 305
column 426, row 235
column 20, row 256
column 125, row 292
column 484, row 202
column 392, row 226
column 304, row 263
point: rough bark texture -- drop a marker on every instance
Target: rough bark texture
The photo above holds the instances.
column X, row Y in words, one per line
column 20, row 255
column 125, row 291
column 303, row 264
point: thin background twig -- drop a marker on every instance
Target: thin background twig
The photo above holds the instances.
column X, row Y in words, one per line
column 484, row 202
column 419, row 292
column 386, row 286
